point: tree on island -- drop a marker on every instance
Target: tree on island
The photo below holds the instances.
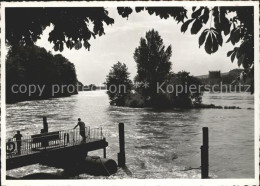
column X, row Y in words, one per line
column 118, row 84
column 71, row 27
column 153, row 63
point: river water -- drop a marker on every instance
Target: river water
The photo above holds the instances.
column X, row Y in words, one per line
column 159, row 144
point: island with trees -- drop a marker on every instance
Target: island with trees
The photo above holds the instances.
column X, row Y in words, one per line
column 155, row 84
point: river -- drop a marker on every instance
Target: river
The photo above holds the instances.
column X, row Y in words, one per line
column 159, row 144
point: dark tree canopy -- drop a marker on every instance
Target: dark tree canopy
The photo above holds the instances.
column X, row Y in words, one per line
column 71, row 26
column 177, row 13
column 34, row 66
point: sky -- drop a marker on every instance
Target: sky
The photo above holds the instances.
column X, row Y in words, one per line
column 121, row 39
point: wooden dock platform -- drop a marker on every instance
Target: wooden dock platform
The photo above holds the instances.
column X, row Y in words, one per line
column 59, row 148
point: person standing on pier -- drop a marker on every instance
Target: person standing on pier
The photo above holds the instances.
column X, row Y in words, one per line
column 81, row 125
column 18, row 138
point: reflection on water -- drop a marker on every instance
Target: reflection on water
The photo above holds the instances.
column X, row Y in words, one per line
column 159, row 144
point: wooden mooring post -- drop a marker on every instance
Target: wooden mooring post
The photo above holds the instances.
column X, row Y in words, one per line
column 104, row 150
column 121, row 154
column 45, row 125
column 45, row 130
column 205, row 154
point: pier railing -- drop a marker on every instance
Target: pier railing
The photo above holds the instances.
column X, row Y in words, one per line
column 57, row 139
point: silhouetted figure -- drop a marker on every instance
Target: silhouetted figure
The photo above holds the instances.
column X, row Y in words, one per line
column 18, row 138
column 81, row 125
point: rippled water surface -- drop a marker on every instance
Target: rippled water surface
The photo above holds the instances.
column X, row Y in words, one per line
column 159, row 144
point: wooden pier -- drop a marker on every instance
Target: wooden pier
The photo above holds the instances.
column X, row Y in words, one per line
column 64, row 149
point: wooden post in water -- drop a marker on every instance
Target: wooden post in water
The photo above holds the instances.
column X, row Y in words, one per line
column 205, row 154
column 45, row 130
column 45, row 124
column 104, row 150
column 121, row 154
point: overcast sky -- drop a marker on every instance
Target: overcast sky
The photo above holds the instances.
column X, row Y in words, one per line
column 121, row 39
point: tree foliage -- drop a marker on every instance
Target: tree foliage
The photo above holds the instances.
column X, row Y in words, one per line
column 153, row 62
column 118, row 84
column 35, row 66
column 177, row 13
column 154, row 71
column 187, row 91
column 73, row 27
